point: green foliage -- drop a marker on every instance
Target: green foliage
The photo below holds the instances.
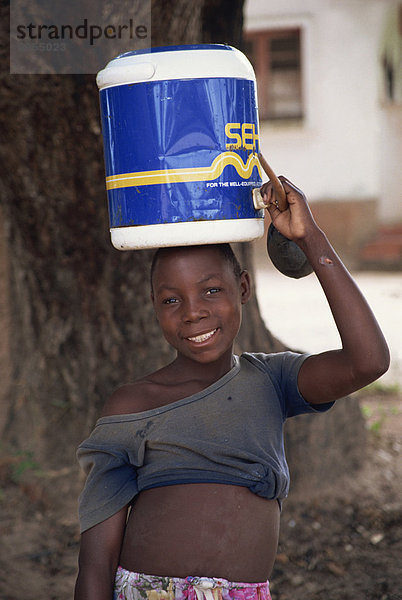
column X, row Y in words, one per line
column 381, row 389
column 376, row 426
column 26, row 463
column 367, row 411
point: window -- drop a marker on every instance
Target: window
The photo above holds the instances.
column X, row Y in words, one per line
column 391, row 56
column 276, row 58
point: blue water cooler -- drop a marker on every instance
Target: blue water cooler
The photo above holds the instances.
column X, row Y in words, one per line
column 180, row 130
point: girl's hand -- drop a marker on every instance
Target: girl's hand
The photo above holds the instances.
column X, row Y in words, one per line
column 296, row 222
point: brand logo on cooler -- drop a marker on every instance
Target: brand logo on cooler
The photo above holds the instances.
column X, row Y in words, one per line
column 246, row 132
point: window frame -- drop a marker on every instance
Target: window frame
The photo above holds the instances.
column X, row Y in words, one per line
column 263, row 69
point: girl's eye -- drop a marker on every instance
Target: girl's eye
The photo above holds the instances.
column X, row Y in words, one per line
column 213, row 290
column 169, row 300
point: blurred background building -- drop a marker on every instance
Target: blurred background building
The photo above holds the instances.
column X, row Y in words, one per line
column 329, row 76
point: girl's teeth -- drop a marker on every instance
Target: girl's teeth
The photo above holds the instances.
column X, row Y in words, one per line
column 202, row 338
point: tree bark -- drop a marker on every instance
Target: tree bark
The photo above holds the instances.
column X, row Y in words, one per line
column 81, row 319
column 81, row 316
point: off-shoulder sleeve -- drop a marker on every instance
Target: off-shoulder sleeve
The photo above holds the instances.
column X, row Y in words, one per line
column 111, row 481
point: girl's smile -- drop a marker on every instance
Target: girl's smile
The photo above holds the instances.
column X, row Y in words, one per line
column 203, row 337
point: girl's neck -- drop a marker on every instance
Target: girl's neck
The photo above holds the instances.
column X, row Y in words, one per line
column 186, row 369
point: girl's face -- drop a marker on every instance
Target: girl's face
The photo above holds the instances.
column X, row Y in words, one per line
column 197, row 300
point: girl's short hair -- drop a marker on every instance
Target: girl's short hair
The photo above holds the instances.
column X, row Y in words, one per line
column 224, row 249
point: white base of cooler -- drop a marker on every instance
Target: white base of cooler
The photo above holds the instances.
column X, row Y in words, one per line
column 186, row 233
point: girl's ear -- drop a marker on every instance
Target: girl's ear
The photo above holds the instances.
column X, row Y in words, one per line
column 245, row 287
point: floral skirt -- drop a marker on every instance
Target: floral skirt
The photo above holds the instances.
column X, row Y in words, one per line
column 137, row 586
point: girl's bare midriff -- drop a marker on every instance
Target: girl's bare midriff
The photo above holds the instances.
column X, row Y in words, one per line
column 202, row 529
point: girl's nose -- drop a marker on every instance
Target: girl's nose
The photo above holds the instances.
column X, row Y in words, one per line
column 193, row 310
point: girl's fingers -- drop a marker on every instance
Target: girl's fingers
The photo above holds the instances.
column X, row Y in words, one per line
column 290, row 187
column 273, row 210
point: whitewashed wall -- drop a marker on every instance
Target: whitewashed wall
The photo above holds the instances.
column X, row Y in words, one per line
column 334, row 153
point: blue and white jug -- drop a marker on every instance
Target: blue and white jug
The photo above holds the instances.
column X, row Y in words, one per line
column 180, row 130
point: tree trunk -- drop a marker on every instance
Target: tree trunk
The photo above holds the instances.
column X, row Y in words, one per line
column 81, row 320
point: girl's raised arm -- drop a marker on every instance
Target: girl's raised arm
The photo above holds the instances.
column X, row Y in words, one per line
column 364, row 355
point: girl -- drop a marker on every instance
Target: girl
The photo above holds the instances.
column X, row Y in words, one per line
column 186, row 467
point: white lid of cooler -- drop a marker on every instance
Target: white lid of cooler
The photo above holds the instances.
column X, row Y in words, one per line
column 179, row 62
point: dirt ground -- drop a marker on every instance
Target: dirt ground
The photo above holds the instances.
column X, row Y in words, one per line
column 346, row 543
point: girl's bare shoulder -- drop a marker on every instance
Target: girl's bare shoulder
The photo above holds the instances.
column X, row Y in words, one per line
column 130, row 398
column 141, row 395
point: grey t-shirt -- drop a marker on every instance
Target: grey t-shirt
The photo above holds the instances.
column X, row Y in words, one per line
column 230, row 433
